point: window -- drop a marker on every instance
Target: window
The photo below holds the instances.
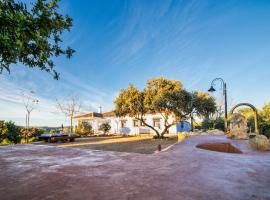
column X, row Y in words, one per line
column 156, row 122
column 182, row 125
column 123, row 123
column 136, row 123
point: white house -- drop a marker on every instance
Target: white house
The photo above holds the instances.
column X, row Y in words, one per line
column 129, row 125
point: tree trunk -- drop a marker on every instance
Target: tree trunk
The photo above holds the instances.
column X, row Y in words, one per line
column 156, row 131
column 191, row 122
column 165, row 130
column 26, row 127
column 28, row 119
column 71, row 125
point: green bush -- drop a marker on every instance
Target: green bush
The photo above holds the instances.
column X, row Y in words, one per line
column 31, row 139
column 105, row 127
column 6, row 142
column 84, row 129
column 9, row 132
column 2, row 130
column 207, row 124
column 54, row 131
column 219, row 124
column 213, row 124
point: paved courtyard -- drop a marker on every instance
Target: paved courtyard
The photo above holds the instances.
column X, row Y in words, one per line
column 182, row 172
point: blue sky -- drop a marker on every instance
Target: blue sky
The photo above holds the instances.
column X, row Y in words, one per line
column 121, row 42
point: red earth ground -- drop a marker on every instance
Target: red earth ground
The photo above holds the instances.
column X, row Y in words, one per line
column 183, row 172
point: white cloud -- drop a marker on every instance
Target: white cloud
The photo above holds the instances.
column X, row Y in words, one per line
column 46, row 113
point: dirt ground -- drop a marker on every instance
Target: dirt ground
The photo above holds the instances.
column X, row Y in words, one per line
column 183, row 172
column 135, row 144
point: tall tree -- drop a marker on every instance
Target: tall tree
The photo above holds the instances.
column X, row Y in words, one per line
column 265, row 118
column 69, row 108
column 204, row 104
column 32, row 36
column 161, row 96
column 265, row 113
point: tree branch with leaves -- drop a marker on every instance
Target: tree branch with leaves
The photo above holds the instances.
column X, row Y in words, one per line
column 161, row 96
column 32, row 36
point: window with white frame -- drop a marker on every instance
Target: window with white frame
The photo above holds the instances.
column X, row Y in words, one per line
column 141, row 124
column 156, row 122
column 136, row 123
column 123, row 123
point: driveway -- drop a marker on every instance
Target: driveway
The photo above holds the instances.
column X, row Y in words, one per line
column 182, row 172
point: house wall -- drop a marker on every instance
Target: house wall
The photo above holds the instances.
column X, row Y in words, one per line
column 116, row 127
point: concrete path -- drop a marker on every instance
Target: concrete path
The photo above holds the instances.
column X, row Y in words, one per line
column 184, row 172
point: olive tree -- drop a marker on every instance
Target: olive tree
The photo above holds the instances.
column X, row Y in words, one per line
column 32, row 36
column 160, row 96
column 204, row 104
column 201, row 105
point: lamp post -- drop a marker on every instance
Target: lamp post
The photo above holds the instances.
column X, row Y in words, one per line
column 29, row 104
column 224, row 87
column 34, row 102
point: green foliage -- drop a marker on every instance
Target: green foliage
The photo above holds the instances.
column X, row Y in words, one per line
column 6, row 142
column 9, row 132
column 3, row 130
column 13, row 132
column 32, row 36
column 208, row 124
column 31, row 139
column 84, row 129
column 129, row 102
column 165, row 97
column 204, row 104
column 54, row 131
column 219, row 124
column 265, row 119
column 105, row 127
column 265, row 113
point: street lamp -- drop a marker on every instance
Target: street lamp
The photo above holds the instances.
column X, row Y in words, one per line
column 29, row 104
column 224, row 87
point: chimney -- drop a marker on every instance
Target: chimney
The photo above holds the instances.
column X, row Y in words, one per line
column 99, row 109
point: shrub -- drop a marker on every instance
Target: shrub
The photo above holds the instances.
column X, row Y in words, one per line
column 105, row 127
column 2, row 130
column 219, row 124
column 6, row 142
column 32, row 132
column 207, row 124
column 213, row 124
column 84, row 129
column 31, row 139
column 9, row 132
column 54, row 131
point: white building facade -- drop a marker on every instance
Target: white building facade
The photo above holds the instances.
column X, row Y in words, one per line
column 127, row 125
